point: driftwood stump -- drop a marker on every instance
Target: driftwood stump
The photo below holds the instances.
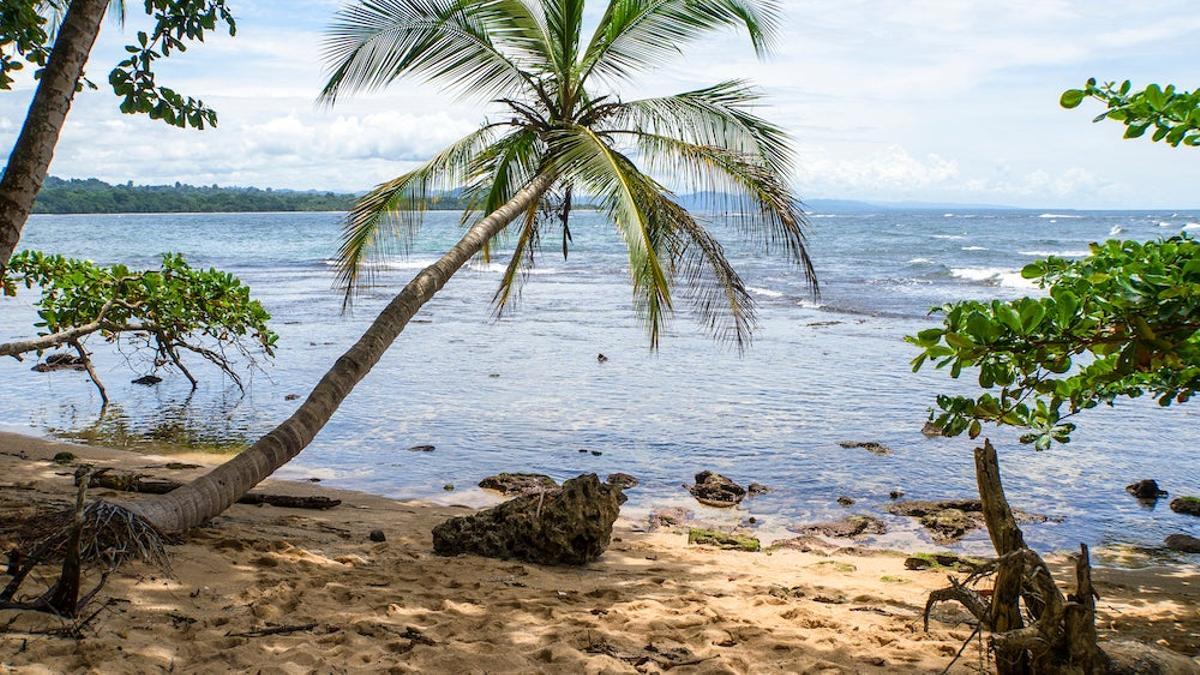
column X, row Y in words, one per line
column 1034, row 627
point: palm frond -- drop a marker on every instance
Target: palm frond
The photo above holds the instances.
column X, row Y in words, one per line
column 704, row 276
column 497, row 173
column 391, row 213
column 636, row 35
column 516, row 272
column 721, row 115
column 741, row 185
column 477, row 47
column 583, row 158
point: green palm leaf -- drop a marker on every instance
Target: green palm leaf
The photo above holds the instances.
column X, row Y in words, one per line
column 477, row 47
column 636, row 35
column 390, row 214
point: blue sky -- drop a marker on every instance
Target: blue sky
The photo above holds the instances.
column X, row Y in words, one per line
column 931, row 100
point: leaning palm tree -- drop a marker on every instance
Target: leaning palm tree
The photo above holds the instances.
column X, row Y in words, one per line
column 564, row 132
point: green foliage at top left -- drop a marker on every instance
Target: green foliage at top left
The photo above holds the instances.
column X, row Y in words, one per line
column 24, row 38
column 27, row 36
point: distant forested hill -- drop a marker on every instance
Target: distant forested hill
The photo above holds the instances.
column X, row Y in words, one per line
column 96, row 196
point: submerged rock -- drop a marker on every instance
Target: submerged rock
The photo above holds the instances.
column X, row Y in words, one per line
column 669, row 518
column 568, row 525
column 147, row 380
column 849, row 527
column 60, row 361
column 1183, row 543
column 713, row 489
column 932, row 430
column 517, row 483
column 1145, row 489
column 756, row 489
column 845, row 501
column 622, row 480
column 870, row 446
column 1188, row 506
column 948, row 520
column 422, row 448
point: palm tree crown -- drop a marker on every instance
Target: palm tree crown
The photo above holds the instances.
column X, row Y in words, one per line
column 564, row 124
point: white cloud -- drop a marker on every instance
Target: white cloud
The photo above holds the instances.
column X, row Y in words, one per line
column 930, row 99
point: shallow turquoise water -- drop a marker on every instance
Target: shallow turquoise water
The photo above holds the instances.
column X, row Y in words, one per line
column 526, row 393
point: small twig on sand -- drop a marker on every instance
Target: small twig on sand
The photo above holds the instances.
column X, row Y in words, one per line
column 274, row 630
column 961, row 649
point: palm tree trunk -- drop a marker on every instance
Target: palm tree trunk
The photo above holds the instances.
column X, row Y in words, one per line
column 30, row 159
column 207, row 496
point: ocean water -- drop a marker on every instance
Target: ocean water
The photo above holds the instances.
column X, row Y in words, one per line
column 526, row 392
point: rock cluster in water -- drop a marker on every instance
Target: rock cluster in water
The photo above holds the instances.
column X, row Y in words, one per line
column 518, row 483
column 713, row 489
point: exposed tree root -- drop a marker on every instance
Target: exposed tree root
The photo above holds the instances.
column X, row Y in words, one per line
column 99, row 533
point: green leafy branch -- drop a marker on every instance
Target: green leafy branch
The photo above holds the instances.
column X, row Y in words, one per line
column 176, row 21
column 169, row 310
column 1122, row 322
column 1174, row 114
column 23, row 39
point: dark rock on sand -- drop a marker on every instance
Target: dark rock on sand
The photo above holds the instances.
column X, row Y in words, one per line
column 668, row 518
column 948, row 520
column 849, row 527
column 870, row 446
column 806, row 543
column 1183, row 543
column 713, row 489
column 422, row 448
column 622, row 480
column 568, row 525
column 64, row 457
column 147, row 380
column 377, row 536
column 1188, row 506
column 756, row 489
column 517, row 483
column 1145, row 489
column 60, row 361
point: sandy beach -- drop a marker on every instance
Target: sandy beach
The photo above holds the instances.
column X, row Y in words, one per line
column 651, row 603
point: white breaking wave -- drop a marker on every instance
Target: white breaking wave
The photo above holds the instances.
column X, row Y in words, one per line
column 920, row 261
column 973, row 248
column 948, row 236
column 1192, row 226
column 809, row 304
column 1116, row 229
column 1058, row 215
column 765, row 292
column 993, row 276
column 1057, row 254
column 1163, row 223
